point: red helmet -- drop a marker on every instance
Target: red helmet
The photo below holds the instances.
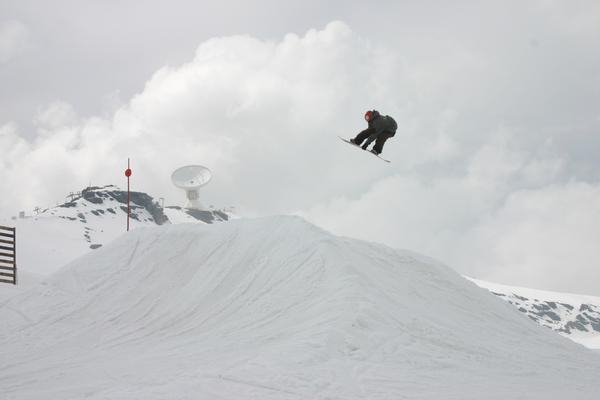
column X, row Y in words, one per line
column 368, row 115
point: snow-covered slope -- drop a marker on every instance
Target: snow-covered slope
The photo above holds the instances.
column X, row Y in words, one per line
column 275, row 308
column 96, row 216
column 572, row 315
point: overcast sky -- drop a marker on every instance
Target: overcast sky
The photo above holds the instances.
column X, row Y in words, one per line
column 494, row 166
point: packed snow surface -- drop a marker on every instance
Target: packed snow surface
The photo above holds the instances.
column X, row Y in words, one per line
column 274, row 308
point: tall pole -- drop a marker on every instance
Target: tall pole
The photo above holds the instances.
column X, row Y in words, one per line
column 128, row 174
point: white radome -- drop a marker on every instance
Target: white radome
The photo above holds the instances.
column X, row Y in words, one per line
column 191, row 178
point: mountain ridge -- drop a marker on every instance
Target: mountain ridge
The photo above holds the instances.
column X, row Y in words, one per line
column 90, row 219
column 571, row 315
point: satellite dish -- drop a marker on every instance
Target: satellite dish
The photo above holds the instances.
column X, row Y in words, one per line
column 191, row 178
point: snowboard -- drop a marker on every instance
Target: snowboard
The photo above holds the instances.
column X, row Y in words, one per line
column 355, row 145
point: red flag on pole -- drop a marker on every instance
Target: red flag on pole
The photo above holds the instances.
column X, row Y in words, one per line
column 128, row 174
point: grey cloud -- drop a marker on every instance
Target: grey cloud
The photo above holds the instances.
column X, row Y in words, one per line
column 13, row 39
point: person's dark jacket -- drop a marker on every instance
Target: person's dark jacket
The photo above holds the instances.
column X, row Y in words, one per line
column 381, row 123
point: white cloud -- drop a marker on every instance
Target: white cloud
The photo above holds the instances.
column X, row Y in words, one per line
column 502, row 219
column 55, row 115
column 13, row 146
column 242, row 106
column 14, row 36
column 545, row 237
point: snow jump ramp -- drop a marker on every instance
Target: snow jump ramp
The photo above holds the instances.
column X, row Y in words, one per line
column 274, row 308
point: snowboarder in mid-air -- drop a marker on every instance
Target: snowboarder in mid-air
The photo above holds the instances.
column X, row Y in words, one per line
column 381, row 128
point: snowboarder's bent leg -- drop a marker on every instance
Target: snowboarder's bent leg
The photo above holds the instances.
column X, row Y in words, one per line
column 361, row 137
column 370, row 140
column 383, row 136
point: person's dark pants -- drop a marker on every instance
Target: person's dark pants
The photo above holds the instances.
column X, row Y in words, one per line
column 379, row 140
column 361, row 138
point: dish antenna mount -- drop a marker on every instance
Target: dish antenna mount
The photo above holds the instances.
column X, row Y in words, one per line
column 191, row 178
